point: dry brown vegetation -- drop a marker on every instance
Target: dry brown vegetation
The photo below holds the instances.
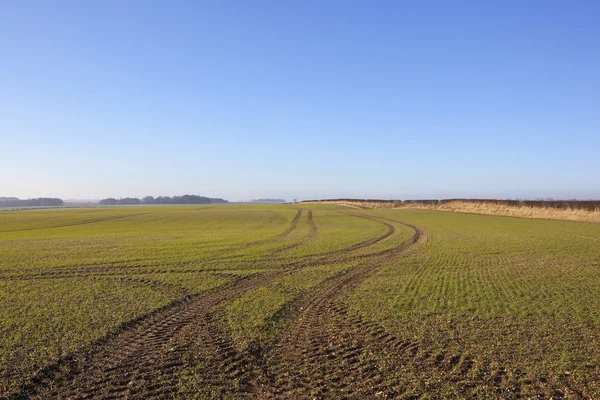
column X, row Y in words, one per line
column 485, row 208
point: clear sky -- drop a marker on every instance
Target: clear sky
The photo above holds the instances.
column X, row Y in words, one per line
column 300, row 99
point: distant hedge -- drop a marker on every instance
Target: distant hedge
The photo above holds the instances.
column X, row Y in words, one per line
column 590, row 205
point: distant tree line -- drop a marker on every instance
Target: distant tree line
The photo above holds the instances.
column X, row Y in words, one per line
column 185, row 199
column 39, row 202
column 266, row 201
column 591, row 205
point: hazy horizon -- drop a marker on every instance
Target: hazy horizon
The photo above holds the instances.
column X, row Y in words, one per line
column 309, row 100
column 258, row 200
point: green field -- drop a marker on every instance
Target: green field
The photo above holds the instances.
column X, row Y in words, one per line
column 296, row 301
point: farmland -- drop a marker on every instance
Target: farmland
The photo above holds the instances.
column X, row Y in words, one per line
column 296, row 301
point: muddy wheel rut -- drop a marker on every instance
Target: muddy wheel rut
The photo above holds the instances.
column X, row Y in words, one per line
column 147, row 359
column 309, row 236
column 151, row 351
column 329, row 353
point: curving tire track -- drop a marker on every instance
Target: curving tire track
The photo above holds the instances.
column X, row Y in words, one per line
column 369, row 242
column 327, row 352
column 117, row 267
column 130, row 364
column 111, row 270
column 145, row 358
column 282, row 235
column 77, row 223
column 309, row 236
column 68, row 272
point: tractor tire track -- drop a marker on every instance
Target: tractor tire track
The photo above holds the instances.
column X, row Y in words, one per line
column 334, row 256
column 311, row 235
column 145, row 357
column 64, row 272
column 128, row 364
column 77, row 223
column 279, row 236
column 327, row 352
column 293, row 225
column 389, row 232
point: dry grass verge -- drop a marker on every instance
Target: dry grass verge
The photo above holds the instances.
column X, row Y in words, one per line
column 484, row 208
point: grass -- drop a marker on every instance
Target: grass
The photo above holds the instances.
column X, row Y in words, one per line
column 494, row 306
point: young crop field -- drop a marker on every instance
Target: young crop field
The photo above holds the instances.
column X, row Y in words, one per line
column 296, row 302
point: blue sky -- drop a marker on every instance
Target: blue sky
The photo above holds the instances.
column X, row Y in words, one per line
column 304, row 99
